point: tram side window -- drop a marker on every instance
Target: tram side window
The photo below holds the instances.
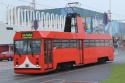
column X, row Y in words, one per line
column 73, row 25
column 97, row 42
column 107, row 43
column 57, row 43
column 86, row 43
column 79, row 44
column 65, row 43
column 92, row 43
column 102, row 43
column 73, row 43
column 111, row 42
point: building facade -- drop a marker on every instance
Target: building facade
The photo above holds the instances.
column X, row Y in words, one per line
column 6, row 38
column 22, row 18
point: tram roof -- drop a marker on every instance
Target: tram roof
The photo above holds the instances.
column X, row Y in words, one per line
column 62, row 35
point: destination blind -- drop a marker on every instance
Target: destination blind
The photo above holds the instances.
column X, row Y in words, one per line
column 27, row 35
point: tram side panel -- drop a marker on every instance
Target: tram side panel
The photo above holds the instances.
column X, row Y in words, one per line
column 66, row 55
column 93, row 54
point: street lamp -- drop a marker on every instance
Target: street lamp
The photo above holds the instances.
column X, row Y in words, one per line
column 110, row 16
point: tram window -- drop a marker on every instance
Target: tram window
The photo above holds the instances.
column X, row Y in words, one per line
column 73, row 43
column 97, row 42
column 77, row 44
column 57, row 43
column 92, row 43
column 27, row 46
column 44, row 45
column 80, row 44
column 86, row 43
column 50, row 59
column 111, row 42
column 65, row 43
column 102, row 43
column 107, row 43
column 49, row 45
column 20, row 47
column 73, row 25
column 35, row 46
column 45, row 58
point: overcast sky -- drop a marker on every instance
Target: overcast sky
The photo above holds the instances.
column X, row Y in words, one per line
column 118, row 9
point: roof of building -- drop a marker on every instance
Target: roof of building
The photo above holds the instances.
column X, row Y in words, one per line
column 81, row 11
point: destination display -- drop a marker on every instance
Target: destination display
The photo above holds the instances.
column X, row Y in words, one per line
column 27, row 35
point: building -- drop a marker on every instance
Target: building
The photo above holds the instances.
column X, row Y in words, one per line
column 6, row 38
column 22, row 18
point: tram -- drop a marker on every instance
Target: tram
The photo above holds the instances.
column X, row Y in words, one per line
column 37, row 52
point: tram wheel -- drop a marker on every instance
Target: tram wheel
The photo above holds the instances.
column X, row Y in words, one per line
column 102, row 60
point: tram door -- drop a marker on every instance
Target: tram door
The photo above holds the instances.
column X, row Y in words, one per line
column 48, row 54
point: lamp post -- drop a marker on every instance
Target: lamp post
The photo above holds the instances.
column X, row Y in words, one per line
column 33, row 4
column 110, row 17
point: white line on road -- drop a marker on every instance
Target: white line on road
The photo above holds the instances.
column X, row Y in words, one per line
column 57, row 74
column 54, row 80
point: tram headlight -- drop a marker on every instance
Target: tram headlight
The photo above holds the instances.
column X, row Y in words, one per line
column 17, row 65
column 37, row 65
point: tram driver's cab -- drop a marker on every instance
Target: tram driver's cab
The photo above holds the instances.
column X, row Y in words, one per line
column 73, row 23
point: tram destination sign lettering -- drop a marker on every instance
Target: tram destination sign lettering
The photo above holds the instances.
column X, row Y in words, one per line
column 27, row 35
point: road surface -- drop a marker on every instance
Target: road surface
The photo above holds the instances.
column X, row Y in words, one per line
column 86, row 74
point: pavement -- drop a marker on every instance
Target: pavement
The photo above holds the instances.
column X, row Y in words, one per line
column 119, row 56
column 87, row 74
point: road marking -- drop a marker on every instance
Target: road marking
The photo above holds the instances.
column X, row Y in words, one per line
column 48, row 76
column 51, row 81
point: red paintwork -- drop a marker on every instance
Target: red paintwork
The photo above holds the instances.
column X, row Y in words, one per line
column 4, row 48
column 6, row 56
column 89, row 55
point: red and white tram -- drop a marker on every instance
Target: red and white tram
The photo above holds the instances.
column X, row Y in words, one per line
column 43, row 51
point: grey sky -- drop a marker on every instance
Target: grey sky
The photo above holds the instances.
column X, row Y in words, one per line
column 118, row 11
